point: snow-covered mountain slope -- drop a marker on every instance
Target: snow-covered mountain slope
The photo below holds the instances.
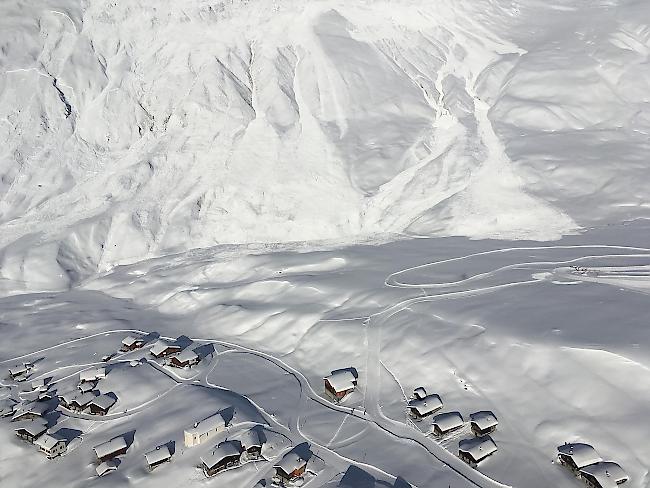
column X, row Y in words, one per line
column 131, row 129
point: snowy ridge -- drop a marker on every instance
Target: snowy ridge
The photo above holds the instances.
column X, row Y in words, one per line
column 135, row 130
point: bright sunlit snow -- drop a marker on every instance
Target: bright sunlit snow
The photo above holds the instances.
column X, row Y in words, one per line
column 325, row 243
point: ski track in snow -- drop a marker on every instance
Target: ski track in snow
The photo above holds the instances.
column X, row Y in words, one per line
column 373, row 326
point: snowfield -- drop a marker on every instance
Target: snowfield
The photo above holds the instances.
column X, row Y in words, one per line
column 448, row 194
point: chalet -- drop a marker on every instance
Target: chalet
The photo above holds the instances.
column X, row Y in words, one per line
column 252, row 442
column 92, row 374
column 426, row 406
column 290, row 467
column 339, row 383
column 604, row 474
column 100, row 405
column 158, row 456
column 205, row 429
column 483, row 422
column 66, row 398
column 419, row 393
column 163, row 348
column 476, row 449
column 29, row 411
column 20, row 372
column 184, row 359
column 31, row 430
column 105, row 468
column 111, row 449
column 224, row 456
column 50, row 446
column 131, row 343
column 80, row 402
column 447, row 422
column 577, row 455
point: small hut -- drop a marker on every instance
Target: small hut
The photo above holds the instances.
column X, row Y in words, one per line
column 111, row 449
column 604, row 474
column 290, row 467
column 158, row 456
column 483, row 422
column 419, row 393
column 131, row 343
column 447, row 422
column 426, row 406
column 92, row 374
column 577, row 455
column 106, row 467
column 340, row 383
column 476, row 449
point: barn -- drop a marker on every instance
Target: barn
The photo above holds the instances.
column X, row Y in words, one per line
column 447, row 422
column 577, row 455
column 476, row 449
column 203, row 430
column 158, row 456
column 483, row 422
column 426, row 406
column 604, row 474
column 340, row 383
column 290, row 467
column 224, row 456
column 50, row 446
column 113, row 448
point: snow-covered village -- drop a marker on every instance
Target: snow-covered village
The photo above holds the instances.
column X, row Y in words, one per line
column 321, row 244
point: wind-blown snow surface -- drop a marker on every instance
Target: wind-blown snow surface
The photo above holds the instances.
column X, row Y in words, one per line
column 131, row 129
column 552, row 337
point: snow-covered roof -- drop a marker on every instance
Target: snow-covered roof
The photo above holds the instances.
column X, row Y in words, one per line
column 428, row 404
column 7, row 406
column 18, row 369
column 92, row 374
column 39, row 383
column 581, row 454
column 290, row 462
column 250, row 438
column 106, row 467
column 207, row 425
column 159, row 454
column 161, row 346
column 130, row 340
column 84, row 399
column 219, row 453
column 68, row 396
column 108, row 448
column 85, row 387
column 607, row 473
column 47, row 441
column 32, row 427
column 478, row 447
column 35, row 408
column 483, row 419
column 341, row 380
column 103, row 401
column 186, row 356
column 448, row 421
column 420, row 392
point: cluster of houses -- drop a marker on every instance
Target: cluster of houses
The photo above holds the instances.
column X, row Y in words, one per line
column 585, row 462
column 85, row 398
column 181, row 352
column 483, row 423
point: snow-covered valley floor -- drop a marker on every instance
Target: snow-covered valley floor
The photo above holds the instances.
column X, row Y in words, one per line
column 552, row 338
